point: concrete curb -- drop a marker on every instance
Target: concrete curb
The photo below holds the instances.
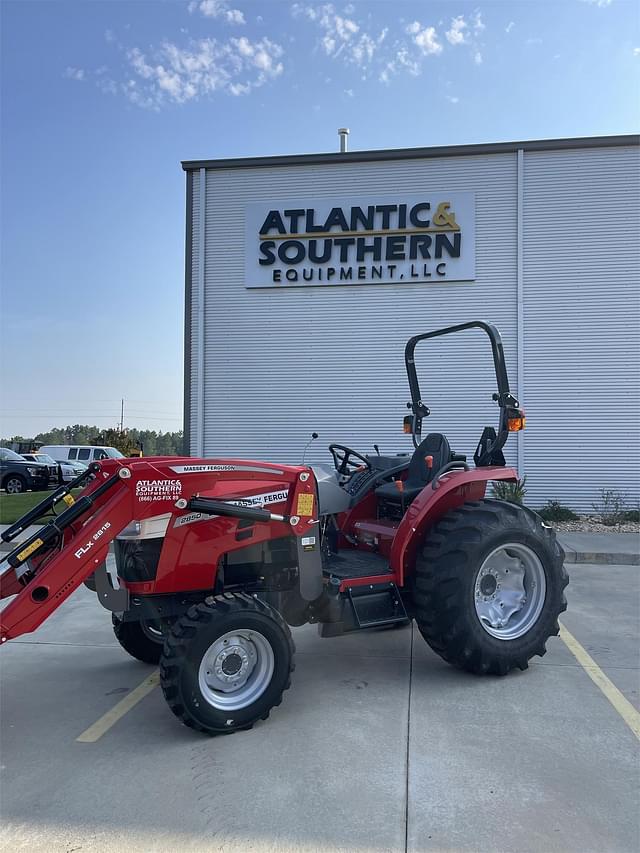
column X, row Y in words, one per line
column 601, row 558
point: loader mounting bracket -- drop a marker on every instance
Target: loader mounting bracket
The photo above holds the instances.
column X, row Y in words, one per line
column 109, row 597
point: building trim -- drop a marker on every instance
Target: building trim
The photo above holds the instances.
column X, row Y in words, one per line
column 201, row 311
column 520, row 297
column 386, row 154
column 188, row 267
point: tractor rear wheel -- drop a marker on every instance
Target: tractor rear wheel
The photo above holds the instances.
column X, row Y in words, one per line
column 489, row 586
column 226, row 663
column 142, row 640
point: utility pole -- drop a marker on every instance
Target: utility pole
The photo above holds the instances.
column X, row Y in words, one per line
column 122, row 415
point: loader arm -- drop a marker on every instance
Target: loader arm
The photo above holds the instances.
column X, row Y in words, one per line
column 58, row 573
column 48, row 566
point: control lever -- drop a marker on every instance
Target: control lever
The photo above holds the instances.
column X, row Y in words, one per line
column 314, row 435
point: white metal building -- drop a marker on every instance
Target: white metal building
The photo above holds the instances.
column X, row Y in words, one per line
column 540, row 238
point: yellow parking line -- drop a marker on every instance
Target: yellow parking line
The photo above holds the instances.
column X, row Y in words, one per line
column 619, row 702
column 95, row 731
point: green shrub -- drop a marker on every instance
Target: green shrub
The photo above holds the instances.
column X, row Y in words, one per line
column 631, row 515
column 512, row 492
column 612, row 507
column 555, row 511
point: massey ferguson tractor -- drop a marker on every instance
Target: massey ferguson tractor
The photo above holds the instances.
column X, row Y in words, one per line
column 216, row 558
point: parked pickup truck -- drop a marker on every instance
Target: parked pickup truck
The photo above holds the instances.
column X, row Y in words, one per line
column 17, row 475
column 61, row 472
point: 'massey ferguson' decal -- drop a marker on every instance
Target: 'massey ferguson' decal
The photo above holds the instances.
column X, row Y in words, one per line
column 261, row 500
column 203, row 469
column 249, row 500
column 197, row 469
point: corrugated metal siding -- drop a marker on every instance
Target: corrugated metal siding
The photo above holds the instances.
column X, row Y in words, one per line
column 196, row 303
column 282, row 363
column 582, row 313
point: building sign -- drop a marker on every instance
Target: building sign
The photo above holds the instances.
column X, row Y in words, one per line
column 426, row 238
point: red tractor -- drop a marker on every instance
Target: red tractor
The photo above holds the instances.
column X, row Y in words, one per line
column 216, row 558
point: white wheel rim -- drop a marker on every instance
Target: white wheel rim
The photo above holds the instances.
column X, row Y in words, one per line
column 509, row 591
column 236, row 670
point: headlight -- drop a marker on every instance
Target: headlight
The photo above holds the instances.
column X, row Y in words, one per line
column 150, row 528
column 33, row 471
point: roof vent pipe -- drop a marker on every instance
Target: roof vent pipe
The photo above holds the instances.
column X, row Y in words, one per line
column 343, row 133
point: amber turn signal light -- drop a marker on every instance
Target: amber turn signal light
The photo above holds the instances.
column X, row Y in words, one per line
column 407, row 424
column 516, row 424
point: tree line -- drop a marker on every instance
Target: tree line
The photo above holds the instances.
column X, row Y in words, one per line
column 128, row 441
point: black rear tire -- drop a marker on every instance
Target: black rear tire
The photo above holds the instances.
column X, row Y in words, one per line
column 446, row 575
column 190, row 652
column 138, row 642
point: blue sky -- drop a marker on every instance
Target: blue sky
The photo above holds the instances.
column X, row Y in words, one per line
column 101, row 101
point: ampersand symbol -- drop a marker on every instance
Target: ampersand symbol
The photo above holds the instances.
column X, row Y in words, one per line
column 442, row 219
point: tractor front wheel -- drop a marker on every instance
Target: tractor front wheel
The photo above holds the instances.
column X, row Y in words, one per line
column 143, row 640
column 489, row 586
column 226, row 663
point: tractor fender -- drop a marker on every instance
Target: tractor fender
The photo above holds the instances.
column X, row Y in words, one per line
column 444, row 493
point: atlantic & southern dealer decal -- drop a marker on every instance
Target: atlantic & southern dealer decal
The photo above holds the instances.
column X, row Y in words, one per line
column 158, row 490
column 249, row 500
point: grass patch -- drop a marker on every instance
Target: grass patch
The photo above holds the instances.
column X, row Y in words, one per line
column 13, row 506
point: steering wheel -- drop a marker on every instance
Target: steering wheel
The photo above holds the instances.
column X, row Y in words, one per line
column 343, row 461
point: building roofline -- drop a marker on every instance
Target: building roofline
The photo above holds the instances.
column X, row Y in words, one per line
column 383, row 154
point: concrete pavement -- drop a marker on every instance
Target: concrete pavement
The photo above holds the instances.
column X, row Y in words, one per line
column 603, row 548
column 378, row 746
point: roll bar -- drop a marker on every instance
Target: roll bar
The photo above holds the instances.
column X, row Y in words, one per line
column 509, row 406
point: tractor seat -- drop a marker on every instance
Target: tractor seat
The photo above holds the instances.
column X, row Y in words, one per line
column 419, row 473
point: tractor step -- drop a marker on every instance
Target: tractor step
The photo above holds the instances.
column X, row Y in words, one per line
column 353, row 563
column 376, row 604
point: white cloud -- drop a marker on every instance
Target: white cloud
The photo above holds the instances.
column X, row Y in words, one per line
column 600, row 3
column 349, row 93
column 74, row 73
column 456, row 34
column 453, row 99
column 467, row 32
column 176, row 74
column 478, row 25
column 341, row 35
column 107, row 85
column 534, row 40
column 636, row 51
column 426, row 38
column 217, row 9
column 344, row 34
column 509, row 26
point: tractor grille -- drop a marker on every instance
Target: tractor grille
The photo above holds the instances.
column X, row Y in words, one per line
column 137, row 559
